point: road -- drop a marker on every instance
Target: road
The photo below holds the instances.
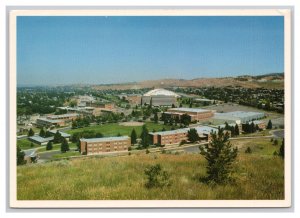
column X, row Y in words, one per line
column 278, row 133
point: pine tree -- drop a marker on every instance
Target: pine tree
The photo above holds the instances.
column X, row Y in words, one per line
column 57, row 137
column 155, row 117
column 248, row 150
column 133, row 137
column 42, row 132
column 193, row 135
column 30, row 132
column 269, row 126
column 281, row 149
column 74, row 124
column 49, row 146
column 64, row 146
column 150, row 102
column 220, row 156
column 226, row 126
column 48, row 134
column 20, row 156
column 236, row 129
column 252, row 127
column 145, row 136
column 185, row 119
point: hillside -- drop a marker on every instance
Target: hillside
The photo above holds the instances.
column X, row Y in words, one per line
column 259, row 175
column 274, row 81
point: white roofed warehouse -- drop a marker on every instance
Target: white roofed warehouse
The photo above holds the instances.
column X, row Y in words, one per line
column 240, row 116
column 160, row 97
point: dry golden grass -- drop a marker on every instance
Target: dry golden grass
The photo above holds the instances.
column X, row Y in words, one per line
column 257, row 176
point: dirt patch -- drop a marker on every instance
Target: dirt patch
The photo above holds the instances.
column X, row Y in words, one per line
column 131, row 124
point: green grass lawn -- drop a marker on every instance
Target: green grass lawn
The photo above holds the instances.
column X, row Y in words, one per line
column 113, row 129
column 259, row 175
column 26, row 144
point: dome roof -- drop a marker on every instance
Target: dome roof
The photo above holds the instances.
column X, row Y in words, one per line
column 165, row 92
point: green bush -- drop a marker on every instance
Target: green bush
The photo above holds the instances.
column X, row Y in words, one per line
column 157, row 177
column 248, row 150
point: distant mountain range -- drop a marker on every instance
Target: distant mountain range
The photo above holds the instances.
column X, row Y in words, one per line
column 270, row 81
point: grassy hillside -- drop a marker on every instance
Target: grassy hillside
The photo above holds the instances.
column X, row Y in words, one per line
column 258, row 175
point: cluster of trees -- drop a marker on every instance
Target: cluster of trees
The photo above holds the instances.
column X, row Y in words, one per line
column 85, row 134
column 39, row 100
column 184, row 120
column 235, row 131
column 44, row 133
column 250, row 128
column 110, row 117
column 81, row 122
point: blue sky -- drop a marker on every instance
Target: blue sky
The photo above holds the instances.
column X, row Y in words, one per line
column 101, row 50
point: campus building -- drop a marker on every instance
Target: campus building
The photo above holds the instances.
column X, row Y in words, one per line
column 178, row 135
column 239, row 116
column 44, row 140
column 88, row 111
column 260, row 123
column 160, row 97
column 40, row 140
column 56, row 120
column 44, row 122
column 134, row 99
column 101, row 145
column 196, row 114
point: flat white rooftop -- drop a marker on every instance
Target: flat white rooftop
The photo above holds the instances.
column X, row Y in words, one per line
column 41, row 139
column 200, row 130
column 185, row 109
column 62, row 116
column 105, row 139
column 240, row 114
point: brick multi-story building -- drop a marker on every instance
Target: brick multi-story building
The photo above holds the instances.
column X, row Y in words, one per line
column 176, row 136
column 195, row 114
column 169, row 137
column 102, row 145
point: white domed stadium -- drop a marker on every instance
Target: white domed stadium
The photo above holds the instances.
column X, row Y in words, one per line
column 160, row 97
column 162, row 92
